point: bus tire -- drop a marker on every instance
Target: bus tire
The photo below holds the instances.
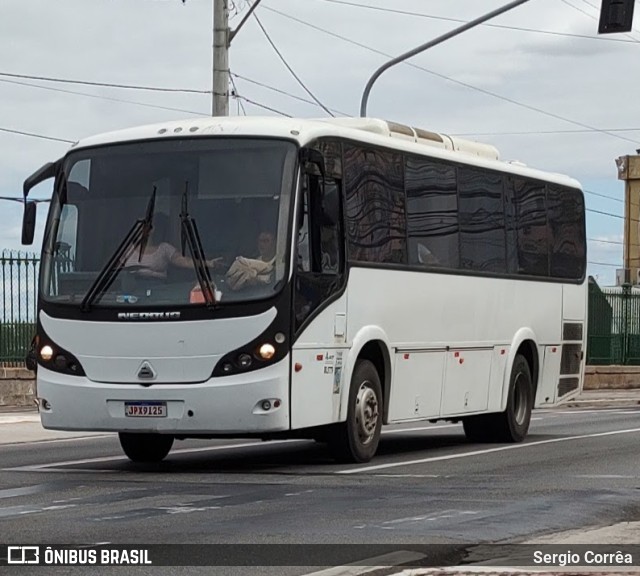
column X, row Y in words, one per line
column 357, row 439
column 145, row 448
column 511, row 425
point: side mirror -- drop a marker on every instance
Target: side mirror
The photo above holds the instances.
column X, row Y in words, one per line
column 312, row 162
column 28, row 223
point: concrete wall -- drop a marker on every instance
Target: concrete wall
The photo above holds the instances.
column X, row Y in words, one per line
column 17, row 387
column 611, row 377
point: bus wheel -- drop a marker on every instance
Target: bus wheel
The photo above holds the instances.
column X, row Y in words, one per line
column 356, row 440
column 145, row 447
column 511, row 425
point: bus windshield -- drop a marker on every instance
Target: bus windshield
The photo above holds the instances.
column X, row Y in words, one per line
column 236, row 192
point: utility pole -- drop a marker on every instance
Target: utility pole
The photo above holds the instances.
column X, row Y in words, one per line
column 220, row 100
column 629, row 171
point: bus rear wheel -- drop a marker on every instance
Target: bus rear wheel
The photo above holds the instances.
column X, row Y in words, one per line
column 357, row 439
column 511, row 425
column 145, row 448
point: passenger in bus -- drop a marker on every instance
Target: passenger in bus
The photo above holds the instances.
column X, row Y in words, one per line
column 159, row 254
column 246, row 272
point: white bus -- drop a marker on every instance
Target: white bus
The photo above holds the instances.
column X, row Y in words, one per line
column 266, row 278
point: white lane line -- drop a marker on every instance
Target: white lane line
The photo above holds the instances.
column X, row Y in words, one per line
column 20, row 419
column 608, row 412
column 433, row 427
column 470, row 568
column 40, row 467
column 483, row 452
column 372, row 564
column 96, row 436
column 418, row 429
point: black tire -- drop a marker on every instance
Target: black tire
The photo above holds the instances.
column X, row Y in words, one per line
column 145, row 448
column 511, row 425
column 357, row 439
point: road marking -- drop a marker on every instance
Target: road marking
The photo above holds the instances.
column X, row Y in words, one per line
column 96, row 436
column 56, row 465
column 418, row 429
column 20, row 419
column 433, row 517
column 607, row 411
column 372, row 564
column 483, row 452
column 606, row 476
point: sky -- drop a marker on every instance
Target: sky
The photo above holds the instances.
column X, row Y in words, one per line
column 530, row 83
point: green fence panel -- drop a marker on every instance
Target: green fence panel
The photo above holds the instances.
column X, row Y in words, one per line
column 601, row 347
column 18, row 289
column 614, row 326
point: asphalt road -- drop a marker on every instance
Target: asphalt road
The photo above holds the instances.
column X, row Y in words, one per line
column 428, row 485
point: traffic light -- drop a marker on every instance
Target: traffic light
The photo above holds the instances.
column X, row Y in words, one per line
column 616, row 16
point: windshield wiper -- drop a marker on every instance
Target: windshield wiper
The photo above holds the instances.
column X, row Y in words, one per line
column 139, row 234
column 191, row 237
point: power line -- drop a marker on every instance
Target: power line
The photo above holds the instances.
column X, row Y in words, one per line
column 283, row 92
column 604, row 196
column 604, row 264
column 264, row 106
column 460, row 20
column 104, row 84
column 282, row 58
column 34, row 135
column 236, row 94
column 21, row 200
column 443, row 76
column 607, row 214
column 111, row 99
column 542, row 132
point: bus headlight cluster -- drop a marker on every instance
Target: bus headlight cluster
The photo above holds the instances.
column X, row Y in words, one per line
column 58, row 360
column 250, row 358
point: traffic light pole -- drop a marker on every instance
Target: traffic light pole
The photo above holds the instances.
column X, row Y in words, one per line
column 431, row 44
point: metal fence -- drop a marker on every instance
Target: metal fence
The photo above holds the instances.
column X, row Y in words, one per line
column 614, row 326
column 613, row 331
column 18, row 289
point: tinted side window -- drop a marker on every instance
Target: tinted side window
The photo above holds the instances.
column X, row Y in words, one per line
column 531, row 215
column 567, row 233
column 481, row 213
column 375, row 206
column 511, row 224
column 432, row 218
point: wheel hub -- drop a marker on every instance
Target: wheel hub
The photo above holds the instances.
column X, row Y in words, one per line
column 367, row 413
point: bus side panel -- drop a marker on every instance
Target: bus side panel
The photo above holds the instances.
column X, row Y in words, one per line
column 548, row 385
column 321, row 353
column 420, row 395
column 467, row 381
column 422, row 311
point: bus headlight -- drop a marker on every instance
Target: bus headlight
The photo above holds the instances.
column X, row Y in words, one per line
column 46, row 352
column 267, row 351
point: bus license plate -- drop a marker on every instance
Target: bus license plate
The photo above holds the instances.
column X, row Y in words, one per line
column 145, row 409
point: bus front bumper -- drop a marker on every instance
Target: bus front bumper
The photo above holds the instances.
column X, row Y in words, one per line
column 251, row 403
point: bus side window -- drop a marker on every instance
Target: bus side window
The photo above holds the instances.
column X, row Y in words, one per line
column 330, row 253
column 304, row 246
column 320, row 248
